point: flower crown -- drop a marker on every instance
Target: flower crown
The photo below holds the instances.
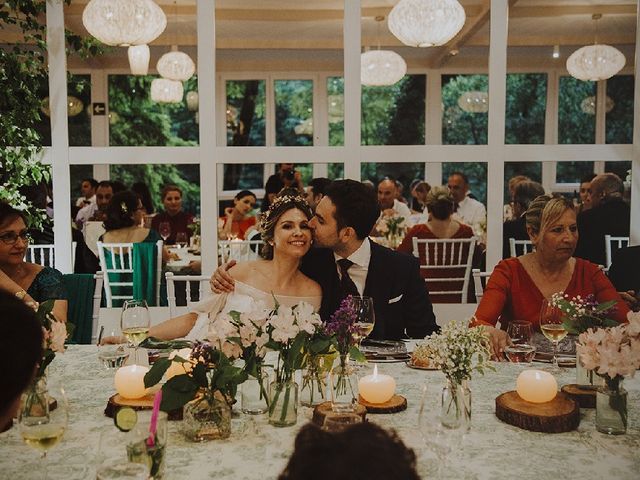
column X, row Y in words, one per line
column 266, row 216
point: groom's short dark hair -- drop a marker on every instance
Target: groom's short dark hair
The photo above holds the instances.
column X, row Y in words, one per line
column 356, row 205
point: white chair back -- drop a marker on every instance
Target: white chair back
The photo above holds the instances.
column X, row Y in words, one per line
column 478, row 277
column 612, row 244
column 524, row 245
column 41, row 255
column 240, row 250
column 121, row 256
column 453, row 254
column 97, row 298
column 203, row 288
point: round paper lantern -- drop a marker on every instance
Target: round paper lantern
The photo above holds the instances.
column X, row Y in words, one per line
column 176, row 66
column 124, row 22
column 192, row 101
column 426, row 23
column 595, row 62
column 588, row 105
column 474, row 102
column 74, row 106
column 381, row 67
column 139, row 59
column 166, row 91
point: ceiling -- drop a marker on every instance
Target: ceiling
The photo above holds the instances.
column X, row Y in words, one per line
column 294, row 35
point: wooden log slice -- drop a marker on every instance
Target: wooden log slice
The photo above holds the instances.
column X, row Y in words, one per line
column 562, row 414
column 321, row 411
column 586, row 397
column 145, row 403
column 397, row 404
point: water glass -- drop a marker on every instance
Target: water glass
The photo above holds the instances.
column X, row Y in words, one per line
column 138, row 448
column 337, row 422
column 519, row 332
column 181, row 239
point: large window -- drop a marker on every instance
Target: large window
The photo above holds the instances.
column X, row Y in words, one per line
column 526, row 102
column 294, row 112
column 246, row 111
column 576, row 115
column 466, row 105
column 619, row 109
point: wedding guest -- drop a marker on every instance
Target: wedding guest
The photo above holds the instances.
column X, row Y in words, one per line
column 88, row 190
column 286, row 176
column 22, row 350
column 507, row 213
column 469, row 210
column 585, row 192
column 123, row 224
column 609, row 215
column 388, row 199
column 518, row 285
column 361, row 451
column 315, row 191
column 524, row 193
column 142, row 190
column 238, row 219
column 27, row 281
column 96, row 211
column 623, row 273
column 440, row 205
column 173, row 214
column 419, row 194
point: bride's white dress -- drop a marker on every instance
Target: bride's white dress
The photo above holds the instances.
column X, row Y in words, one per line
column 243, row 299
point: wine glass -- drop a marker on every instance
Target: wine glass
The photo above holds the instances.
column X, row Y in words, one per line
column 552, row 328
column 520, row 350
column 164, row 229
column 365, row 317
column 338, row 422
column 519, row 332
column 181, row 239
column 43, row 417
column 135, row 322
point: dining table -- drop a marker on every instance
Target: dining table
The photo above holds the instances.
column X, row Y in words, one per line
column 256, row 450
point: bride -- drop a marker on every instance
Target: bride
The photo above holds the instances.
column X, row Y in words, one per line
column 275, row 277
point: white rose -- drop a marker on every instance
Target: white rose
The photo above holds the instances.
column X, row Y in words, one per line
column 58, row 336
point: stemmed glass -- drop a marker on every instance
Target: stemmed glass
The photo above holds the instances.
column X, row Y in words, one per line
column 181, row 239
column 366, row 318
column 43, row 417
column 164, row 229
column 135, row 322
column 552, row 328
column 521, row 350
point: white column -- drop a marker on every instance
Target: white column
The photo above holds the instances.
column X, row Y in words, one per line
column 497, row 102
column 207, row 131
column 635, row 168
column 352, row 87
column 57, row 60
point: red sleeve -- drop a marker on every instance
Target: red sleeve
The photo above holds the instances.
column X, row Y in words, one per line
column 605, row 291
column 407, row 243
column 495, row 296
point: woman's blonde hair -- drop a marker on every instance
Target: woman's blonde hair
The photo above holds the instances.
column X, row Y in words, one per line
column 440, row 202
column 545, row 210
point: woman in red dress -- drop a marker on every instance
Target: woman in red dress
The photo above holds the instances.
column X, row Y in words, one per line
column 440, row 204
column 518, row 285
column 238, row 219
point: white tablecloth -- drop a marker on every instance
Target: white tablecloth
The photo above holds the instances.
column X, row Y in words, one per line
column 256, row 450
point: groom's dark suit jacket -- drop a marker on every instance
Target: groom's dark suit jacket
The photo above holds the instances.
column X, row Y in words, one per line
column 400, row 297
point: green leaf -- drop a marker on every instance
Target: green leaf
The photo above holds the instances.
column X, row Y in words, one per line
column 356, row 355
column 157, row 371
column 176, row 393
column 157, row 344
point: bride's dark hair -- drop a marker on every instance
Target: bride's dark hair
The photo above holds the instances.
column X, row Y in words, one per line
column 287, row 199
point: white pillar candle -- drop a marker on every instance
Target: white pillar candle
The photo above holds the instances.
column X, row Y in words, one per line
column 129, row 381
column 536, row 386
column 377, row 388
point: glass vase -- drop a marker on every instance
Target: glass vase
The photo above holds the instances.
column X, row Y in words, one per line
column 315, row 379
column 207, row 417
column 344, row 386
column 587, row 379
column 611, row 407
column 254, row 398
column 456, row 405
column 283, row 403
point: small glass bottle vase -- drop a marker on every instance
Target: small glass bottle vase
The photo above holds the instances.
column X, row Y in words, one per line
column 207, row 417
column 344, row 386
column 315, row 379
column 283, row 403
column 611, row 407
column 255, row 394
column 456, row 405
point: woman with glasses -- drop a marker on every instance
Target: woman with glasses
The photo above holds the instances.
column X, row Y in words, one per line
column 125, row 219
column 29, row 282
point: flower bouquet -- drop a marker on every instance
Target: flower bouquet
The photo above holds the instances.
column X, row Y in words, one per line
column 459, row 351
column 612, row 353
column 344, row 384
column 393, row 228
column 206, row 386
column 289, row 330
column 54, row 334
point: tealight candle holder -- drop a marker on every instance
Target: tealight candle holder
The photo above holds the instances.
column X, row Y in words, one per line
column 377, row 388
column 129, row 381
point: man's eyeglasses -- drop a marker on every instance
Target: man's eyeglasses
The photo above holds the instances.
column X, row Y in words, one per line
column 10, row 238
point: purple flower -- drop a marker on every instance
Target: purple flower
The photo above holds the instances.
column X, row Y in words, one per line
column 341, row 325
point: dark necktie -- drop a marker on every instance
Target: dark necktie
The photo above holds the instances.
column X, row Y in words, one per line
column 347, row 287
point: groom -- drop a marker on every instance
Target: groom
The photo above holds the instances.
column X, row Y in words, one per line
column 345, row 262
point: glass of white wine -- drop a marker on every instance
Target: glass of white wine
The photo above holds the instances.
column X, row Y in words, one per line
column 43, row 417
column 366, row 318
column 135, row 322
column 552, row 328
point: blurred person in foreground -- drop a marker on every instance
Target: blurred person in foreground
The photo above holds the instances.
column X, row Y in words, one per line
column 22, row 348
column 29, row 282
column 363, row 451
column 518, row 285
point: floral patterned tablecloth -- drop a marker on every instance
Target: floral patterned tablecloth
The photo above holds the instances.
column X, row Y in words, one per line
column 256, row 450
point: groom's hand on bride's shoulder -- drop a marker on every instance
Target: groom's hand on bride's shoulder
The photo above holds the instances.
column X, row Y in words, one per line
column 221, row 281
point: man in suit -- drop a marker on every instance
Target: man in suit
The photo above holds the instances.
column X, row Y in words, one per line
column 609, row 214
column 344, row 261
column 623, row 273
column 523, row 194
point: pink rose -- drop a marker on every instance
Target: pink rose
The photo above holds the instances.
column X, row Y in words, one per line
column 58, row 336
